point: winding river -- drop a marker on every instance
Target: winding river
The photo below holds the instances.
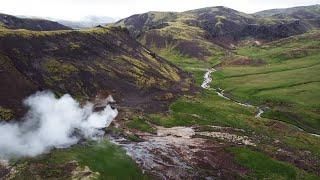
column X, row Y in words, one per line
column 174, row 153
column 206, row 85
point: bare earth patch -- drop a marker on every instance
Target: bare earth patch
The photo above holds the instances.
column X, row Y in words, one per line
column 175, row 153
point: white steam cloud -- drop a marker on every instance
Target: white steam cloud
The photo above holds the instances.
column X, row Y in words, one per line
column 52, row 123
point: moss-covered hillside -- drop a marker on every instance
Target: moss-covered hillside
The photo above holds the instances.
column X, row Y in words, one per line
column 84, row 64
column 283, row 75
column 197, row 33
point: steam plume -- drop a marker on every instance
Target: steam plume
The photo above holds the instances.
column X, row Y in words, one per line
column 52, row 122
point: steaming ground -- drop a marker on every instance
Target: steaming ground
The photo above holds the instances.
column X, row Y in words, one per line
column 52, row 123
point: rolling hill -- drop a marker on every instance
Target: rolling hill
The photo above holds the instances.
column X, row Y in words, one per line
column 197, row 33
column 13, row 22
column 306, row 14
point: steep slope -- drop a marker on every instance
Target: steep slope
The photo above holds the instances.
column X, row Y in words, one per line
column 170, row 33
column 197, row 33
column 12, row 22
column 307, row 14
column 86, row 63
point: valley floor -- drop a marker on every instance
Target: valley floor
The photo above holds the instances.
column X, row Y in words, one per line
column 204, row 135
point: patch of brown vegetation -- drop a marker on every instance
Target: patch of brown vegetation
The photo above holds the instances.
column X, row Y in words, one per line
column 192, row 49
column 295, row 53
column 276, row 125
column 177, row 153
column 4, row 170
column 218, row 163
column 14, row 87
column 242, row 61
column 226, row 42
column 246, row 61
column 154, row 39
column 301, row 159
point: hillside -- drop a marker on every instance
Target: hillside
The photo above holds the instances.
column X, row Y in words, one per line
column 282, row 75
column 264, row 89
column 86, row 63
column 255, row 121
column 168, row 32
column 220, row 95
column 307, row 14
column 13, row 22
column 303, row 12
column 197, row 33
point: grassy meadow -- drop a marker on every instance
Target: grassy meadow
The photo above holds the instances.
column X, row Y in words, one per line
column 288, row 82
column 105, row 159
column 284, row 83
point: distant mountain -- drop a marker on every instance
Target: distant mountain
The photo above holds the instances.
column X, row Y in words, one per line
column 308, row 14
column 301, row 11
column 87, row 22
column 196, row 33
column 13, row 22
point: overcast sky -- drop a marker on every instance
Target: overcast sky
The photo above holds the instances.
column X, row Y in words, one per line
column 76, row 9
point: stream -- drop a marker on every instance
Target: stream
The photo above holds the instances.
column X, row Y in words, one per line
column 206, row 85
column 180, row 152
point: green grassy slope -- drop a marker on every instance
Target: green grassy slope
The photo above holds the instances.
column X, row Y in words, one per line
column 169, row 30
column 278, row 73
column 265, row 167
column 198, row 33
column 84, row 63
column 104, row 158
column 288, row 82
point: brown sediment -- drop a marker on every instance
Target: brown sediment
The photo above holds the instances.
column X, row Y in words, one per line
column 176, row 153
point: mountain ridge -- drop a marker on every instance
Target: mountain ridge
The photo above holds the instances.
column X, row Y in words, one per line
column 13, row 22
column 206, row 28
